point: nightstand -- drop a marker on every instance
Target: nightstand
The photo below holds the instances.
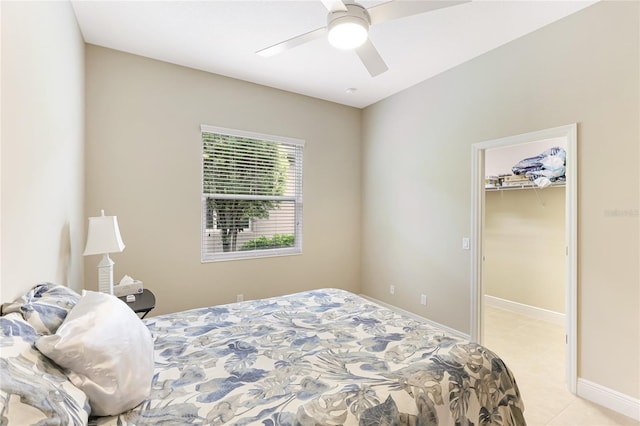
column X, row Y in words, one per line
column 144, row 302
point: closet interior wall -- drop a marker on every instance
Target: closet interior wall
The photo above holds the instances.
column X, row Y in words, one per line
column 524, row 235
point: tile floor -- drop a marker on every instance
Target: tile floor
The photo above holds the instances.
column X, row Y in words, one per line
column 534, row 351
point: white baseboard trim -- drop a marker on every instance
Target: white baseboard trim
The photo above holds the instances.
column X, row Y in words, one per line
column 609, row 398
column 528, row 310
column 418, row 317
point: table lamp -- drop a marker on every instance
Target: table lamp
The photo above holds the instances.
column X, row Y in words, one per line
column 104, row 238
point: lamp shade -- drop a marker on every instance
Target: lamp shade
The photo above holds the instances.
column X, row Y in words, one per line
column 104, row 236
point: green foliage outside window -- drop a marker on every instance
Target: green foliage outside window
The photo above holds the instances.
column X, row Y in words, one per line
column 261, row 243
column 238, row 166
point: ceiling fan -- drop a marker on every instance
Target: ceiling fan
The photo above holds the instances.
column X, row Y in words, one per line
column 348, row 27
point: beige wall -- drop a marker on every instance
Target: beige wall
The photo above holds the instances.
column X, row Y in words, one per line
column 524, row 246
column 416, row 176
column 143, row 165
column 42, row 231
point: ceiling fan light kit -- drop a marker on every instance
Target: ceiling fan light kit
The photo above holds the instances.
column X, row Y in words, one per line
column 348, row 29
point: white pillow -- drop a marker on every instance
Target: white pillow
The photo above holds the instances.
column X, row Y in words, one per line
column 107, row 350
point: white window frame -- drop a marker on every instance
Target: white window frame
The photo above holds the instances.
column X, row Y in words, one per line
column 296, row 199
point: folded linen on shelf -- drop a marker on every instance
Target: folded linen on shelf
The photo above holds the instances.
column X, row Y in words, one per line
column 545, row 168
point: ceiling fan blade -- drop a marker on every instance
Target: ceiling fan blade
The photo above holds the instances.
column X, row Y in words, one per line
column 292, row 42
column 334, row 5
column 371, row 59
column 400, row 9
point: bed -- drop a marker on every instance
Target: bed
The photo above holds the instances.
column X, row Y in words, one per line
column 321, row 357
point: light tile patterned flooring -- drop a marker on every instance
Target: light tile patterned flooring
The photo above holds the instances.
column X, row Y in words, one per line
column 534, row 351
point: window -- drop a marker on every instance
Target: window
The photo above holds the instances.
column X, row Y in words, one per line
column 251, row 194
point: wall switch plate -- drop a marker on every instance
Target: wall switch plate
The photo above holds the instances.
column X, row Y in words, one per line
column 423, row 299
column 392, row 289
column 465, row 243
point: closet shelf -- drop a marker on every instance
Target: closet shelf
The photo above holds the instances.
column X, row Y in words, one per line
column 527, row 185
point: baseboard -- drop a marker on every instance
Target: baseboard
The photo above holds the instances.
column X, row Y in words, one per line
column 609, row 398
column 419, row 317
column 528, row 310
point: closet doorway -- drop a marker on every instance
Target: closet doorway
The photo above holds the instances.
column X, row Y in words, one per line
column 483, row 161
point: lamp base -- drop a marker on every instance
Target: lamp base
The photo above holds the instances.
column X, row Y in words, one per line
column 105, row 275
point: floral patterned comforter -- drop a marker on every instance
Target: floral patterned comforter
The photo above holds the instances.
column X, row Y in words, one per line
column 324, row 357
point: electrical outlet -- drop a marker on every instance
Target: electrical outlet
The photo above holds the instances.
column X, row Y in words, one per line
column 392, row 290
column 423, row 299
column 239, row 297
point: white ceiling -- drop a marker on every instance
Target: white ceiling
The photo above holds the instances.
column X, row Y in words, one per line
column 222, row 37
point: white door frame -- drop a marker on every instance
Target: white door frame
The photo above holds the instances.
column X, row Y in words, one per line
column 570, row 132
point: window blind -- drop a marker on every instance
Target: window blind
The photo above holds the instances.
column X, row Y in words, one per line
column 251, row 194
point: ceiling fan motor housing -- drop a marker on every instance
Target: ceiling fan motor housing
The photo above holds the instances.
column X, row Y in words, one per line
column 348, row 29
